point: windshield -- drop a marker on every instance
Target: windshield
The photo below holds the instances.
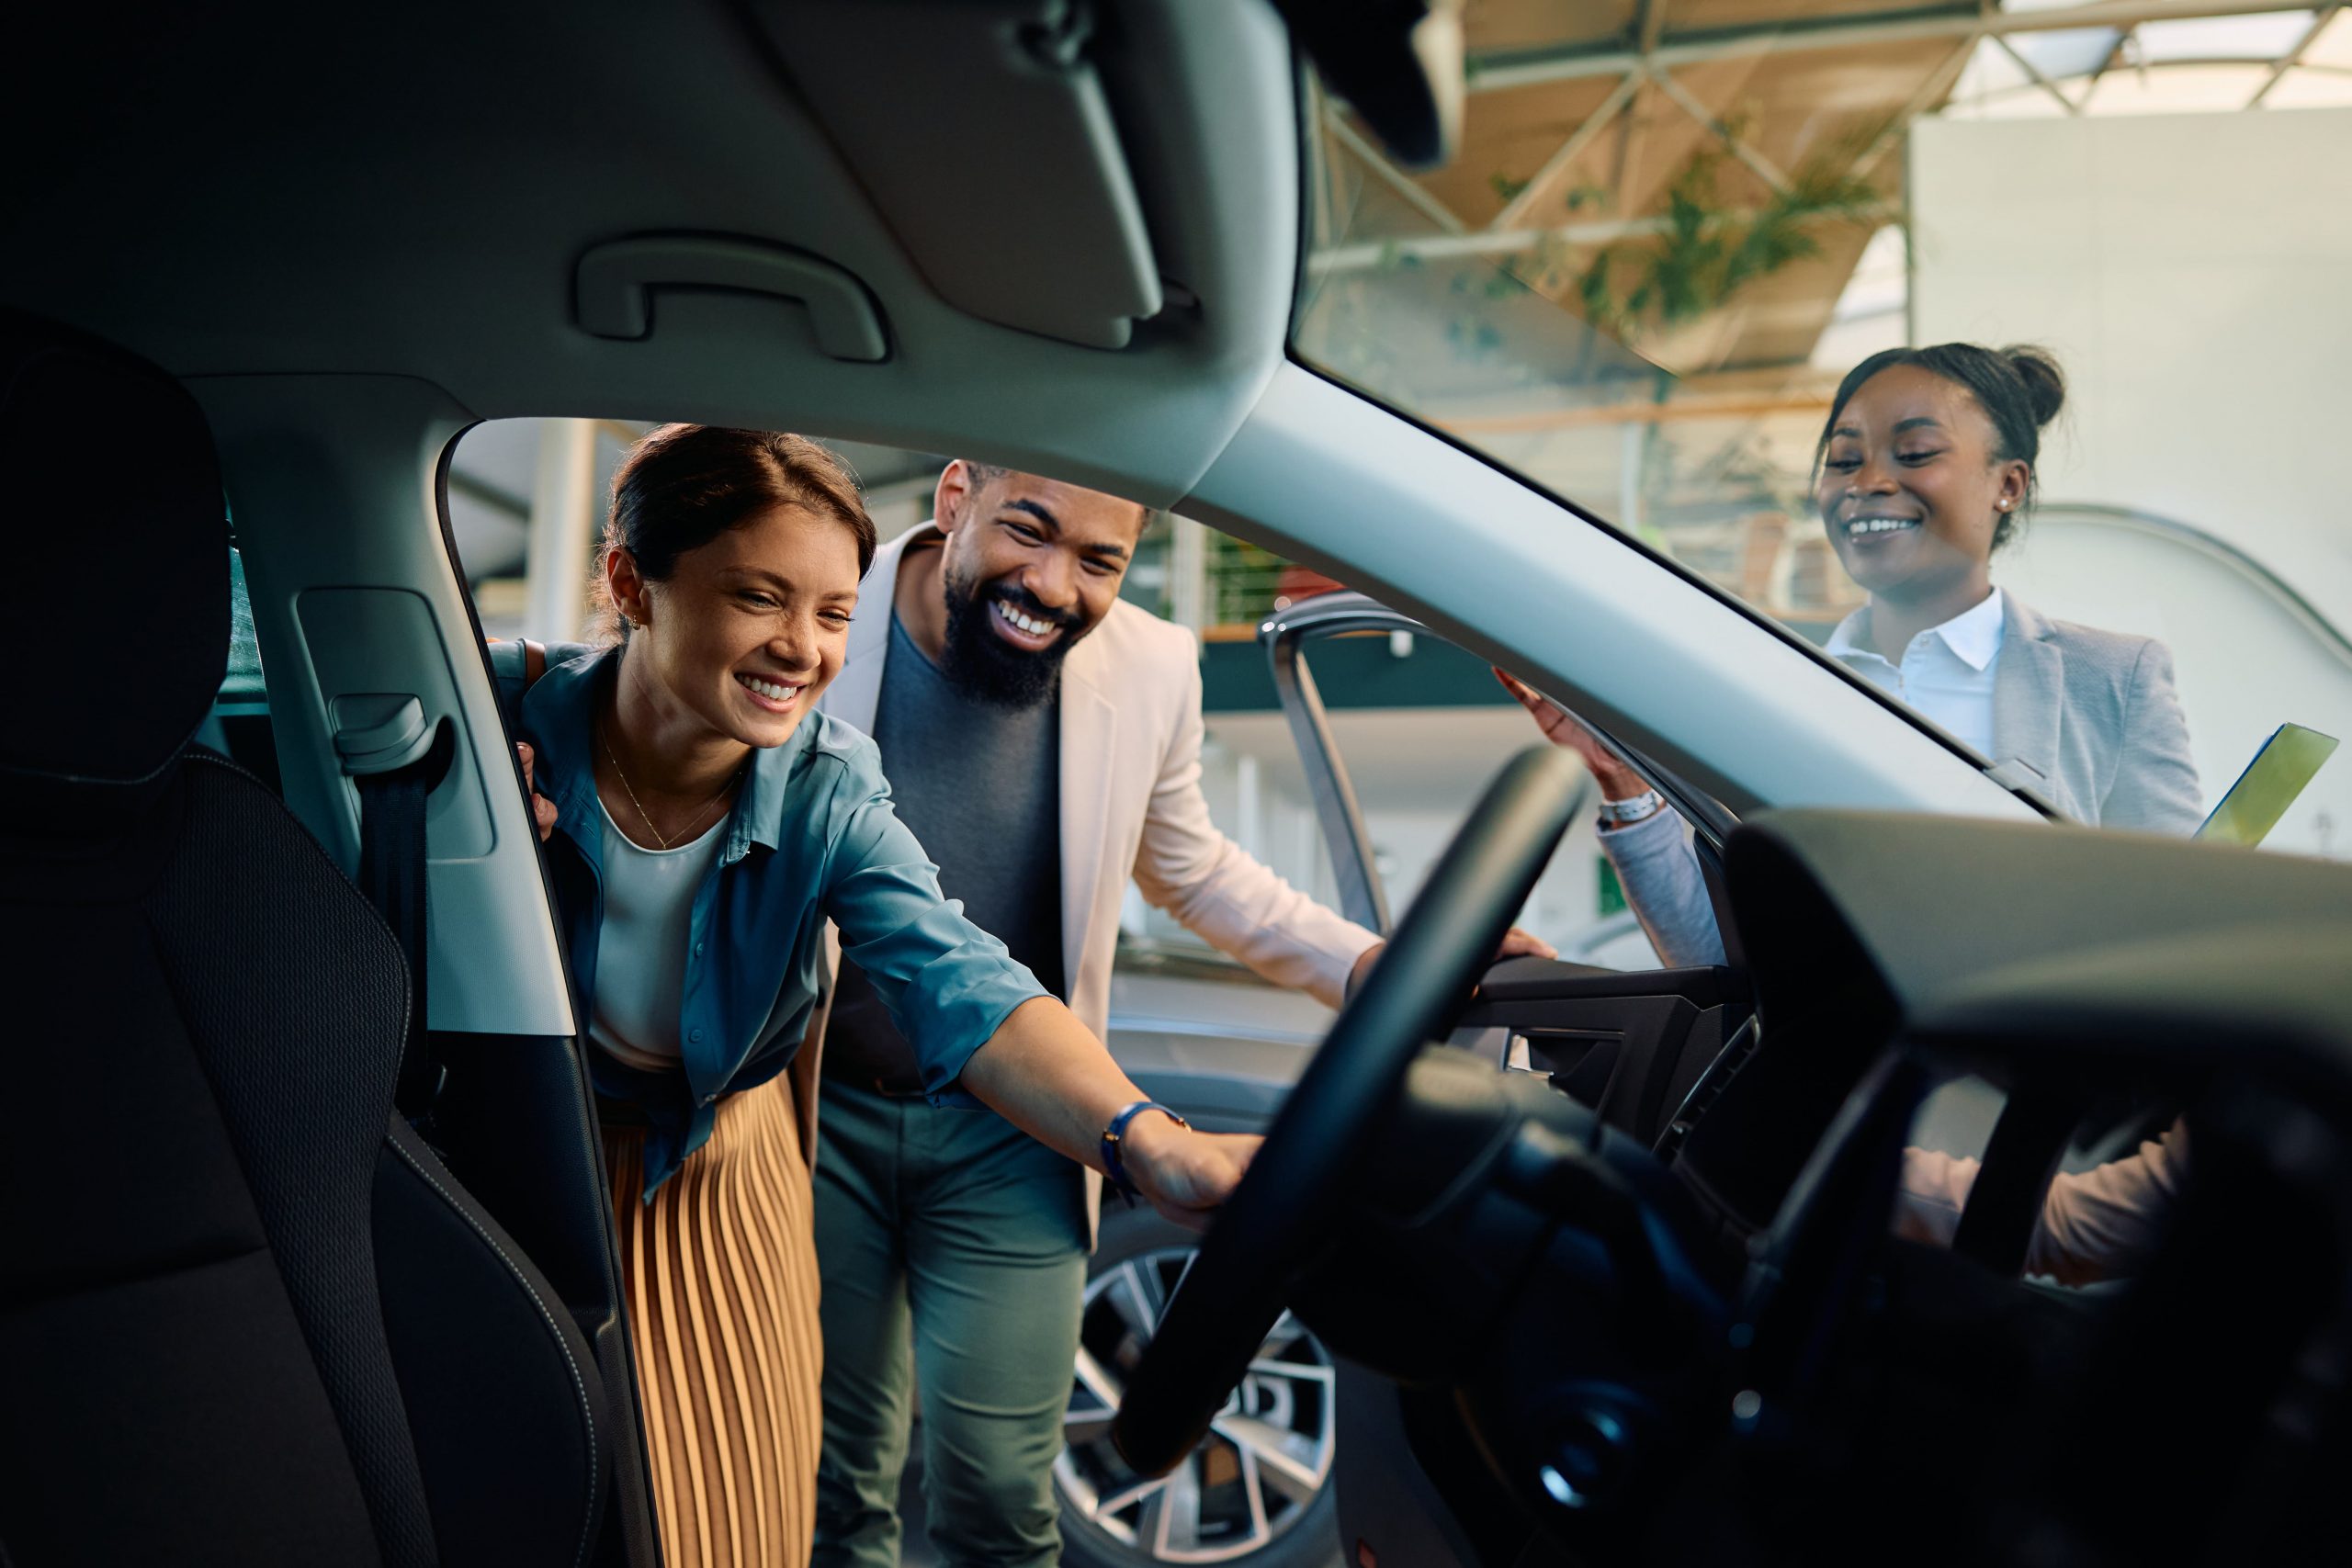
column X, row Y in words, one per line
column 2077, row 511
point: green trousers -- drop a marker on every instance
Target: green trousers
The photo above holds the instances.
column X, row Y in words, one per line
column 953, row 1250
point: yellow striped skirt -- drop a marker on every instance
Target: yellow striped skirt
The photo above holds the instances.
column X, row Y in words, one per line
column 720, row 1275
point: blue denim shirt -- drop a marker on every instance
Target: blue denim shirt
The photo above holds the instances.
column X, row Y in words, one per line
column 812, row 836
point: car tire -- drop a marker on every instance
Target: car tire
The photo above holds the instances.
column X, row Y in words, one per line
column 1299, row 1531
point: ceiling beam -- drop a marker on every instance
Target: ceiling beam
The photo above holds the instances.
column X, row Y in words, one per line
column 1763, row 167
column 2126, row 42
column 1652, row 24
column 2073, row 108
column 1643, row 411
column 1515, row 211
column 2293, row 57
column 1371, row 254
column 495, row 497
column 1520, row 69
column 1396, row 179
column 1649, row 27
column 1933, row 89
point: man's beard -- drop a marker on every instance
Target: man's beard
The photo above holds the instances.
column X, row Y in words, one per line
column 985, row 667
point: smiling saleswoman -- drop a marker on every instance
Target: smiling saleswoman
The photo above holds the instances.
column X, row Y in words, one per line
column 1925, row 468
column 703, row 826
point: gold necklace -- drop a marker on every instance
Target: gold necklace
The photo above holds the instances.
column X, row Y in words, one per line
column 646, row 817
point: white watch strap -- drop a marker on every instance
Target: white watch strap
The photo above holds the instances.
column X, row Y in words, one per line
column 1634, row 808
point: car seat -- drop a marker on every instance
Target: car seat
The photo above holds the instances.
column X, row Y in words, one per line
column 246, row 1316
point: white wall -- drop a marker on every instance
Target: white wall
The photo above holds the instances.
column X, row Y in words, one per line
column 2245, row 662
column 2193, row 274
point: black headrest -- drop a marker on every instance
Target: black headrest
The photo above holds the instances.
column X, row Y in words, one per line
column 118, row 542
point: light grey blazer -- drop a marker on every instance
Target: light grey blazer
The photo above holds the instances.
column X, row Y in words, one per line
column 2095, row 715
column 2091, row 716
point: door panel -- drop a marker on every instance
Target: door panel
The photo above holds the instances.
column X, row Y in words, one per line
column 1632, row 1045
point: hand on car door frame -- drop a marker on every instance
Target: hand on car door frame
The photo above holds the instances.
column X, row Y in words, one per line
column 542, row 809
column 1562, row 728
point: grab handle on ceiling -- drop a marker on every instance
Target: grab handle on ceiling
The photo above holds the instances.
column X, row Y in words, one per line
column 614, row 286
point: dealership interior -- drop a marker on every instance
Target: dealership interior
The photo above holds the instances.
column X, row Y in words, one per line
column 2154, row 192
column 1890, row 450
column 1668, row 231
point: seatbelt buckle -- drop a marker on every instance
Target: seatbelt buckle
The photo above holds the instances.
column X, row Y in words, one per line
column 379, row 732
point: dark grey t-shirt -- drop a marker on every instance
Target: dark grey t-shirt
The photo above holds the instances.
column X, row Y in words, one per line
column 981, row 787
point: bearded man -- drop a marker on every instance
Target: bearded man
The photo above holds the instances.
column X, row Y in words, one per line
column 1043, row 739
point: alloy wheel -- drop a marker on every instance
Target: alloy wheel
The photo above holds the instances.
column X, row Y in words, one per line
column 1258, row 1474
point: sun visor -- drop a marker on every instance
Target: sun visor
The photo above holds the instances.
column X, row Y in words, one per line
column 981, row 131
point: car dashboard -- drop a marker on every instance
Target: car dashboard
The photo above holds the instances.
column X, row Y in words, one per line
column 1720, row 1342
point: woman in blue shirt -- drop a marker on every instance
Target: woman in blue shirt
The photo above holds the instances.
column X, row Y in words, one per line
column 704, row 825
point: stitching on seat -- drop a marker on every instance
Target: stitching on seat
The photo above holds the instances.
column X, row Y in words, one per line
column 579, row 1384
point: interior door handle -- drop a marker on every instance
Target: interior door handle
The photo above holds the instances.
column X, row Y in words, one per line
column 614, row 286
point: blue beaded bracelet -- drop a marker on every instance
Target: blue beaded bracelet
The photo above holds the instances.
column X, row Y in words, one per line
column 1112, row 1166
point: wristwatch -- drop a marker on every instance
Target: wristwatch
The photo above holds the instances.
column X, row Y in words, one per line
column 1113, row 1166
column 1632, row 809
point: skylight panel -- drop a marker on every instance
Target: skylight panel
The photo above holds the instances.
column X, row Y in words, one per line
column 1989, row 70
column 2333, row 45
column 2305, row 89
column 2177, row 89
column 2067, row 52
column 2266, row 36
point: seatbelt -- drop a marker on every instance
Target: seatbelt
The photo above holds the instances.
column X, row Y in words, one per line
column 394, row 758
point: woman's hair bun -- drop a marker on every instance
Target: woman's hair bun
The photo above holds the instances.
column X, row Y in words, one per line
column 2045, row 384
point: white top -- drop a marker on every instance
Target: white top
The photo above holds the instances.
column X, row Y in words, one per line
column 1946, row 673
column 642, row 949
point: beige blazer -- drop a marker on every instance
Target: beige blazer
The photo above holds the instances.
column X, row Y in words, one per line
column 1131, row 806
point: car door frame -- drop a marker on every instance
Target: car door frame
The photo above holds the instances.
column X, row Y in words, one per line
column 1285, row 634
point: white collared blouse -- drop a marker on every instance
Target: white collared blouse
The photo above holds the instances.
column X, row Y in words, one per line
column 1947, row 672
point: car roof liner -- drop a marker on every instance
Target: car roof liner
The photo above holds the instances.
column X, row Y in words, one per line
column 341, row 230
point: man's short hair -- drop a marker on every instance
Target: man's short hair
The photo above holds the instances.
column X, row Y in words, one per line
column 985, row 474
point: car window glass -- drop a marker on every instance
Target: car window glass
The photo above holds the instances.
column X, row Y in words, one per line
column 243, row 682
column 238, row 726
column 1660, row 250
column 1421, row 728
column 526, row 503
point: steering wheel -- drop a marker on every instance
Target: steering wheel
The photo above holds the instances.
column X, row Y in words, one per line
column 1297, row 1188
